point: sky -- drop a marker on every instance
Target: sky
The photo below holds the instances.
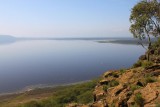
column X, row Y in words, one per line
column 65, row 18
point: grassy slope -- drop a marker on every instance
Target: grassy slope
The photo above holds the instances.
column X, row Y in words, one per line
column 51, row 97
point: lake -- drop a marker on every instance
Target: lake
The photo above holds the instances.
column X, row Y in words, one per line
column 32, row 63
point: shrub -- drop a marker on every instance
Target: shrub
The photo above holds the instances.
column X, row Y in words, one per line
column 137, row 64
column 146, row 64
column 139, row 100
column 122, row 71
column 134, row 87
column 105, row 87
column 149, row 79
column 112, row 83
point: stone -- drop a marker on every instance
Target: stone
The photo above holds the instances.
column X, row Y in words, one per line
column 98, row 93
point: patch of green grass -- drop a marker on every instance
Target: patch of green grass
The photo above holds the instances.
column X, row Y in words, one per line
column 122, row 71
column 143, row 64
column 32, row 104
column 149, row 79
column 147, row 64
column 134, row 87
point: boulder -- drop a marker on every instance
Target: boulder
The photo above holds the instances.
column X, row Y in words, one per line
column 118, row 94
column 98, row 93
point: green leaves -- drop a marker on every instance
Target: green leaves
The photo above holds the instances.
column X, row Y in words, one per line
column 145, row 19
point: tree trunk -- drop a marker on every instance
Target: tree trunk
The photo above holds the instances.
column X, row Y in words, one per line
column 149, row 47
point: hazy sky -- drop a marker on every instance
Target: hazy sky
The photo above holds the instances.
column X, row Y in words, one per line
column 65, row 18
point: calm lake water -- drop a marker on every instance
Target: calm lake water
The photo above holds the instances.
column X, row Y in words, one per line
column 56, row 62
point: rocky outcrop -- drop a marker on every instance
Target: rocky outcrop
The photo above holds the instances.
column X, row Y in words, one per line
column 122, row 90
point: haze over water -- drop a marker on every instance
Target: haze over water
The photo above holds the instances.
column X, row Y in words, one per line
column 56, row 62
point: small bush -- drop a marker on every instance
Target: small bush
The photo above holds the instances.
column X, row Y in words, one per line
column 134, row 87
column 114, row 74
column 112, row 83
column 149, row 79
column 147, row 64
column 137, row 64
column 139, row 100
column 122, row 71
column 105, row 87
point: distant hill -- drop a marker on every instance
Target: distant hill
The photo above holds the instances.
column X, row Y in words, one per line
column 5, row 39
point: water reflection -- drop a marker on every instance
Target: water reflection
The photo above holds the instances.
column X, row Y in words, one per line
column 53, row 62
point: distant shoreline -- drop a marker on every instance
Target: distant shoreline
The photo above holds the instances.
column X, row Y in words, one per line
column 7, row 39
column 42, row 87
column 129, row 42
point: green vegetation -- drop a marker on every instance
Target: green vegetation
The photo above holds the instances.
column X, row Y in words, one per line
column 145, row 21
column 149, row 79
column 157, row 104
column 143, row 64
column 139, row 100
column 144, row 18
column 105, row 87
column 134, row 87
column 137, row 64
column 112, row 83
column 156, row 44
column 147, row 64
column 122, row 71
column 80, row 93
column 113, row 105
column 32, row 104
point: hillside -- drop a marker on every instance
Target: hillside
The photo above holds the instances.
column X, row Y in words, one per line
column 7, row 39
column 138, row 86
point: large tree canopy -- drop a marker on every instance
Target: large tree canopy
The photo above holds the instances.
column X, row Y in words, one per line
column 145, row 19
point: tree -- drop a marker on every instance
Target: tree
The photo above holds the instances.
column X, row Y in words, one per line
column 145, row 20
